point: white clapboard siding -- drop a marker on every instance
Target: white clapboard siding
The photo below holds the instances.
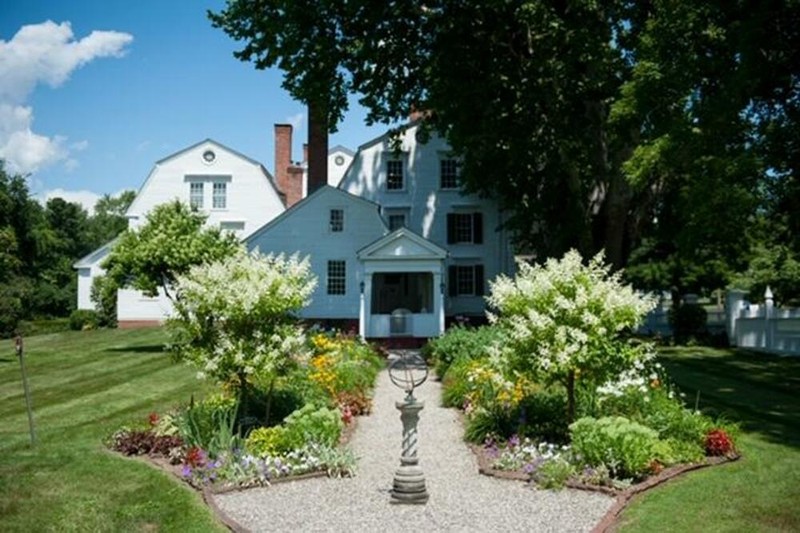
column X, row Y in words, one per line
column 305, row 229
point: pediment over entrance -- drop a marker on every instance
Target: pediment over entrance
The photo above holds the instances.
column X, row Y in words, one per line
column 402, row 244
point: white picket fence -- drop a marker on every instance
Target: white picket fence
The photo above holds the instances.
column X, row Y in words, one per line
column 758, row 327
column 762, row 327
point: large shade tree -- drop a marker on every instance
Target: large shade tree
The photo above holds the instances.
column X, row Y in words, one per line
column 595, row 124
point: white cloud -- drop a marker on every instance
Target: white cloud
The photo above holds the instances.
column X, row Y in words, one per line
column 86, row 198
column 43, row 53
column 296, row 121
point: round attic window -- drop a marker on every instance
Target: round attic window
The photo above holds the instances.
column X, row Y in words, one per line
column 209, row 156
column 339, row 160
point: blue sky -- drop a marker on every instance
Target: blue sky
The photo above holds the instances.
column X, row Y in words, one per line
column 86, row 113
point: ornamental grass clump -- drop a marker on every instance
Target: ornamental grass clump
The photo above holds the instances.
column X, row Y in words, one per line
column 565, row 321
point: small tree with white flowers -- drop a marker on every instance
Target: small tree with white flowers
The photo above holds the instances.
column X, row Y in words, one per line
column 235, row 319
column 564, row 321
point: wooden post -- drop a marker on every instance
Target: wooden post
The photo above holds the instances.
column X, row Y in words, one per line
column 28, row 404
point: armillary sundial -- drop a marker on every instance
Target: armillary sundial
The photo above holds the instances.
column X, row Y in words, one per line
column 408, row 372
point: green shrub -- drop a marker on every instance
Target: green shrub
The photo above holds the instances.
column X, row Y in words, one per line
column 625, row 447
column 688, row 322
column 81, row 319
column 455, row 383
column 542, row 415
column 43, row 326
column 104, row 296
column 271, row 441
column 554, row 473
column 310, row 424
column 460, row 343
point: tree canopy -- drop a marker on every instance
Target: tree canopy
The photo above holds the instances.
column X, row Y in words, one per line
column 171, row 241
column 611, row 125
column 38, row 246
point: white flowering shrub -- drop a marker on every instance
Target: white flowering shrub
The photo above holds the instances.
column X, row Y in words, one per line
column 563, row 320
column 235, row 318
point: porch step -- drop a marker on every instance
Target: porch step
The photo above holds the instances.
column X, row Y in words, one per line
column 400, row 343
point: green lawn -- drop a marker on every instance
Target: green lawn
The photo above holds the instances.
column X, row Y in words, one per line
column 84, row 386
column 761, row 491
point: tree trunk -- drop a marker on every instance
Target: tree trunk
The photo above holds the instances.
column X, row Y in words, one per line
column 269, row 402
column 571, row 396
column 616, row 212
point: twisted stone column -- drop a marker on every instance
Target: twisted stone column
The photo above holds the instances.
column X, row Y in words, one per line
column 409, row 480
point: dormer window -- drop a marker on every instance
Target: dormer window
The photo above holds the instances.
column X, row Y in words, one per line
column 394, row 175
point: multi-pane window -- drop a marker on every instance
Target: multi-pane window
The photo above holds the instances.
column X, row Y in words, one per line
column 196, row 194
column 448, row 174
column 464, row 228
column 466, row 280
column 397, row 222
column 337, row 220
column 394, row 175
column 219, row 198
column 337, row 277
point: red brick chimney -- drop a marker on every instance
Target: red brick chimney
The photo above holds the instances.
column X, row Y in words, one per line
column 288, row 181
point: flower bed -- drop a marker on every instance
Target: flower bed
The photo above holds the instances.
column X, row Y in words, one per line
column 560, row 394
column 220, row 443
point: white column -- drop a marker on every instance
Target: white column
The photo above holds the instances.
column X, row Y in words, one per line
column 366, row 306
column 438, row 300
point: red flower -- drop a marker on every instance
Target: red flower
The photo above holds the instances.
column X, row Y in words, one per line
column 195, row 457
column 718, row 442
column 153, row 419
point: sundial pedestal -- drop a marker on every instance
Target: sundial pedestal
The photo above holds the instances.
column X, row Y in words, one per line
column 409, row 372
column 409, row 480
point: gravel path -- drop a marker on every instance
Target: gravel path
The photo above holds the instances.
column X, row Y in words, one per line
column 461, row 499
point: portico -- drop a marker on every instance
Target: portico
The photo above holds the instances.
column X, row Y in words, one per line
column 402, row 289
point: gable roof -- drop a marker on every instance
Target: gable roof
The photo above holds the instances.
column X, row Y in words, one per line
column 340, row 148
column 207, row 140
column 402, row 243
column 308, row 200
column 93, row 257
column 270, row 179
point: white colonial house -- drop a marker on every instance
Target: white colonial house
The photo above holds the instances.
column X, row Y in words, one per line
column 396, row 246
column 395, row 243
column 234, row 191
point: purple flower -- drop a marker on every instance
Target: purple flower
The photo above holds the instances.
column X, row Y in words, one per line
column 513, row 442
column 529, row 468
column 186, row 471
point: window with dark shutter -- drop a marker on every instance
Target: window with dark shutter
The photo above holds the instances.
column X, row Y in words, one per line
column 479, row 280
column 477, row 228
column 452, row 281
